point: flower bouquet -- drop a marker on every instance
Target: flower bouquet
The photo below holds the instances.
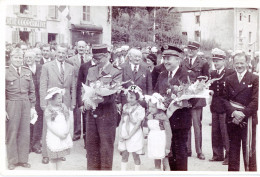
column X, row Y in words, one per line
column 178, row 96
column 93, row 94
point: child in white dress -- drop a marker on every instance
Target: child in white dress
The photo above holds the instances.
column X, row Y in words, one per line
column 131, row 138
column 159, row 137
column 58, row 138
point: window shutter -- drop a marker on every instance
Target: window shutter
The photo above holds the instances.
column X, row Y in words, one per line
column 34, row 11
column 61, row 38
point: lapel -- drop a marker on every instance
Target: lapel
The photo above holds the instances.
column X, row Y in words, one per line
column 67, row 71
column 239, row 87
column 196, row 62
column 129, row 71
column 13, row 72
column 55, row 69
column 186, row 63
column 140, row 72
column 176, row 78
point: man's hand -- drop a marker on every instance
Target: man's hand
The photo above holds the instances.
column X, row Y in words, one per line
column 235, row 121
column 150, row 117
column 6, row 116
column 239, row 115
column 119, row 107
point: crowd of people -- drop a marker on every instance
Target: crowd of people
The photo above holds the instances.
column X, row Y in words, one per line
column 44, row 82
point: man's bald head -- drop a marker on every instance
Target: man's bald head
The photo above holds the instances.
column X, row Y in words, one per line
column 81, row 46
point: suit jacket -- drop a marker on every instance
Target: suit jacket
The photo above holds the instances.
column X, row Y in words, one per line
column 245, row 93
column 217, row 104
column 156, row 72
column 109, row 75
column 82, row 78
column 181, row 118
column 36, row 82
column 143, row 77
column 42, row 62
column 50, row 77
column 74, row 60
column 200, row 67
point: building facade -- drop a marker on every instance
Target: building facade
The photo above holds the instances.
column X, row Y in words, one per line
column 45, row 24
column 232, row 28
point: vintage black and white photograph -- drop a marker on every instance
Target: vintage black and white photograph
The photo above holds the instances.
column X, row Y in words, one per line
column 131, row 88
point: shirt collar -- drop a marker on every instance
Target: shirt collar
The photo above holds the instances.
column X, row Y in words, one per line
column 133, row 66
column 221, row 69
column 173, row 72
column 242, row 74
column 33, row 68
column 16, row 68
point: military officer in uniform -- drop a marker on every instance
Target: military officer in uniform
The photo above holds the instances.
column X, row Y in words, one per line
column 241, row 102
column 180, row 121
column 20, row 99
column 101, row 123
column 196, row 66
column 219, row 135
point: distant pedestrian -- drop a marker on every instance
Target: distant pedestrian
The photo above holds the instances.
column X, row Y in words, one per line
column 58, row 138
column 131, row 138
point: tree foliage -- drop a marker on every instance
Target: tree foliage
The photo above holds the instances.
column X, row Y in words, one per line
column 135, row 26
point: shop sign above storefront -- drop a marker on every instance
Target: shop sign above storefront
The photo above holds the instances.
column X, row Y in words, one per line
column 25, row 22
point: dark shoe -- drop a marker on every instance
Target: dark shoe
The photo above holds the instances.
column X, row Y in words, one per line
column 11, row 166
column 75, row 138
column 225, row 162
column 189, row 154
column 216, row 159
column 45, row 160
column 37, row 150
column 63, row 158
column 25, row 165
column 201, row 156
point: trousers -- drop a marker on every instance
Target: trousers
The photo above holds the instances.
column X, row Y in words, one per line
column 179, row 159
column 100, row 137
column 219, row 135
column 18, row 131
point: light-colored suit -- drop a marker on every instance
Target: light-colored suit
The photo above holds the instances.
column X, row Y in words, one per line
column 76, row 62
column 51, row 77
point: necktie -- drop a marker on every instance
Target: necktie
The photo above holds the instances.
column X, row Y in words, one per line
column 135, row 69
column 239, row 77
column 218, row 71
column 61, row 71
column 170, row 74
column 190, row 61
column 82, row 59
column 18, row 71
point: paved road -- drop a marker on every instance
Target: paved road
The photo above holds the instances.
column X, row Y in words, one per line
column 77, row 159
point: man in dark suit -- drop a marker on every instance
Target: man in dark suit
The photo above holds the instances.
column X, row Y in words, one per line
column 241, row 101
column 135, row 71
column 57, row 73
column 82, row 77
column 180, row 121
column 77, row 61
column 36, row 129
column 46, row 54
column 196, row 66
column 101, row 123
column 219, row 135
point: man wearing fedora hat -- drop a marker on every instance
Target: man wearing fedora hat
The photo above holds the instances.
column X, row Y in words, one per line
column 180, row 121
column 101, row 123
column 219, row 135
column 196, row 66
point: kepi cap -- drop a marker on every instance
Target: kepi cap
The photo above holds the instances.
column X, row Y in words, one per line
column 169, row 50
column 218, row 54
column 193, row 45
column 99, row 49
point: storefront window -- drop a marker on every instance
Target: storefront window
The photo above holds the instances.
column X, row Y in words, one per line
column 24, row 36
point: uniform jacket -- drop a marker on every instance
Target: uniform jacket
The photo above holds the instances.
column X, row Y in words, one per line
column 109, row 75
column 155, row 73
column 143, row 77
column 245, row 93
column 217, row 104
column 181, row 118
column 50, row 77
column 19, row 87
column 200, row 67
column 82, row 77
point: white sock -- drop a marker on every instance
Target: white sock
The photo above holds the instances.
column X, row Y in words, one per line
column 123, row 166
column 137, row 167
